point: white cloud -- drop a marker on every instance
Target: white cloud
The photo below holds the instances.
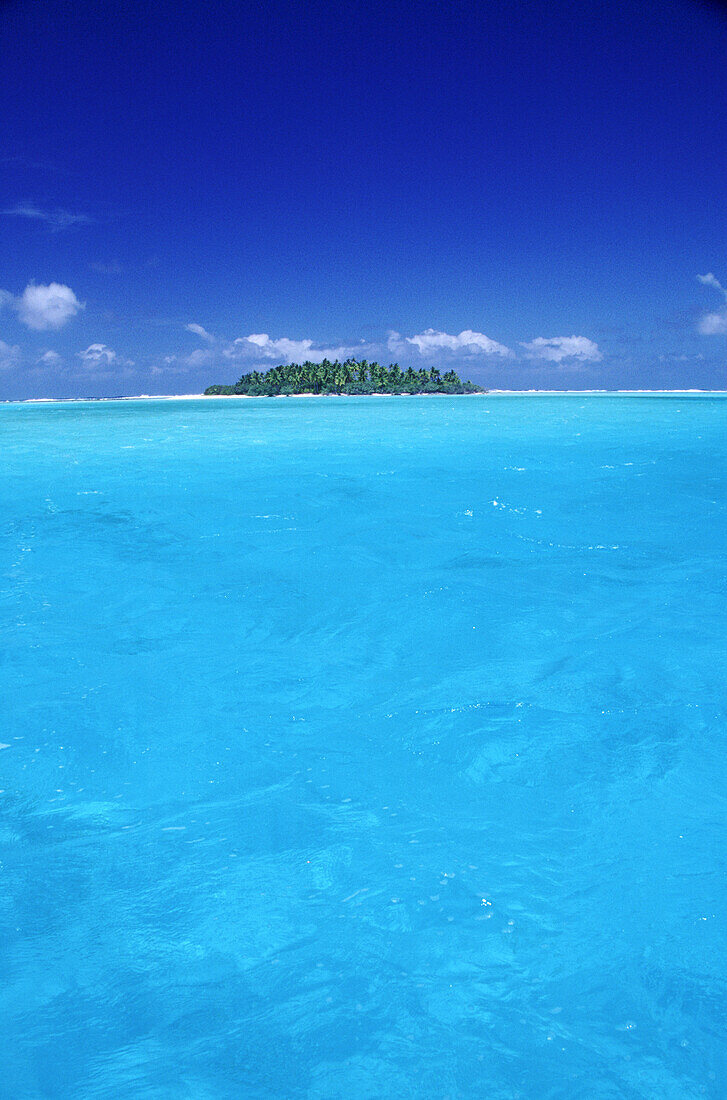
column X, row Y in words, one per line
column 260, row 346
column 49, row 358
column 101, row 356
column 713, row 324
column 431, row 342
column 201, row 332
column 202, row 357
column 711, row 280
column 9, row 356
column 47, row 307
column 557, row 348
column 54, row 219
column 96, row 354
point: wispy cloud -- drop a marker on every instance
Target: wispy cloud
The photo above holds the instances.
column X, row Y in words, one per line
column 556, row 349
column 55, row 220
column 37, row 165
column 9, row 356
column 466, row 343
column 713, row 324
column 201, row 332
column 711, row 280
column 49, row 358
column 112, row 268
column 200, row 357
column 675, row 357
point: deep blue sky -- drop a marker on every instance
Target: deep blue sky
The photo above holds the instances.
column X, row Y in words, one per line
column 524, row 172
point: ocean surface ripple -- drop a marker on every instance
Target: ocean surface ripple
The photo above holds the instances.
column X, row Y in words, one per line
column 364, row 748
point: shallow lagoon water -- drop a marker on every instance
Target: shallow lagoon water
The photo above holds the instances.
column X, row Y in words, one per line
column 364, row 748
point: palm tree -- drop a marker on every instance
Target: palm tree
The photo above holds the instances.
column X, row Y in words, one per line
column 394, row 376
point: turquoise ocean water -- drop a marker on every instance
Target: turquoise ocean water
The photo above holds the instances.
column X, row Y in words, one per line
column 364, row 748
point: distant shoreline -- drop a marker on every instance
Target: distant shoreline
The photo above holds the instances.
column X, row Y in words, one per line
column 278, row 397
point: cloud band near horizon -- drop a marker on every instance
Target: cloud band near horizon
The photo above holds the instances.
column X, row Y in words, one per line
column 50, row 307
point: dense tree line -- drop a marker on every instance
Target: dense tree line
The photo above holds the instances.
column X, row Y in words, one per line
column 352, row 376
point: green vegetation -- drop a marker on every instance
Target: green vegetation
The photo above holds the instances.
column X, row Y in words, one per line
column 353, row 376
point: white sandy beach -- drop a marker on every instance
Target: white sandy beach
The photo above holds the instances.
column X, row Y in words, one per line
column 278, row 397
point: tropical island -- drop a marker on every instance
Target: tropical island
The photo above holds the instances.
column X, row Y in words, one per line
column 352, row 376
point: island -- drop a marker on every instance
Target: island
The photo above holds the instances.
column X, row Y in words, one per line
column 353, row 376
